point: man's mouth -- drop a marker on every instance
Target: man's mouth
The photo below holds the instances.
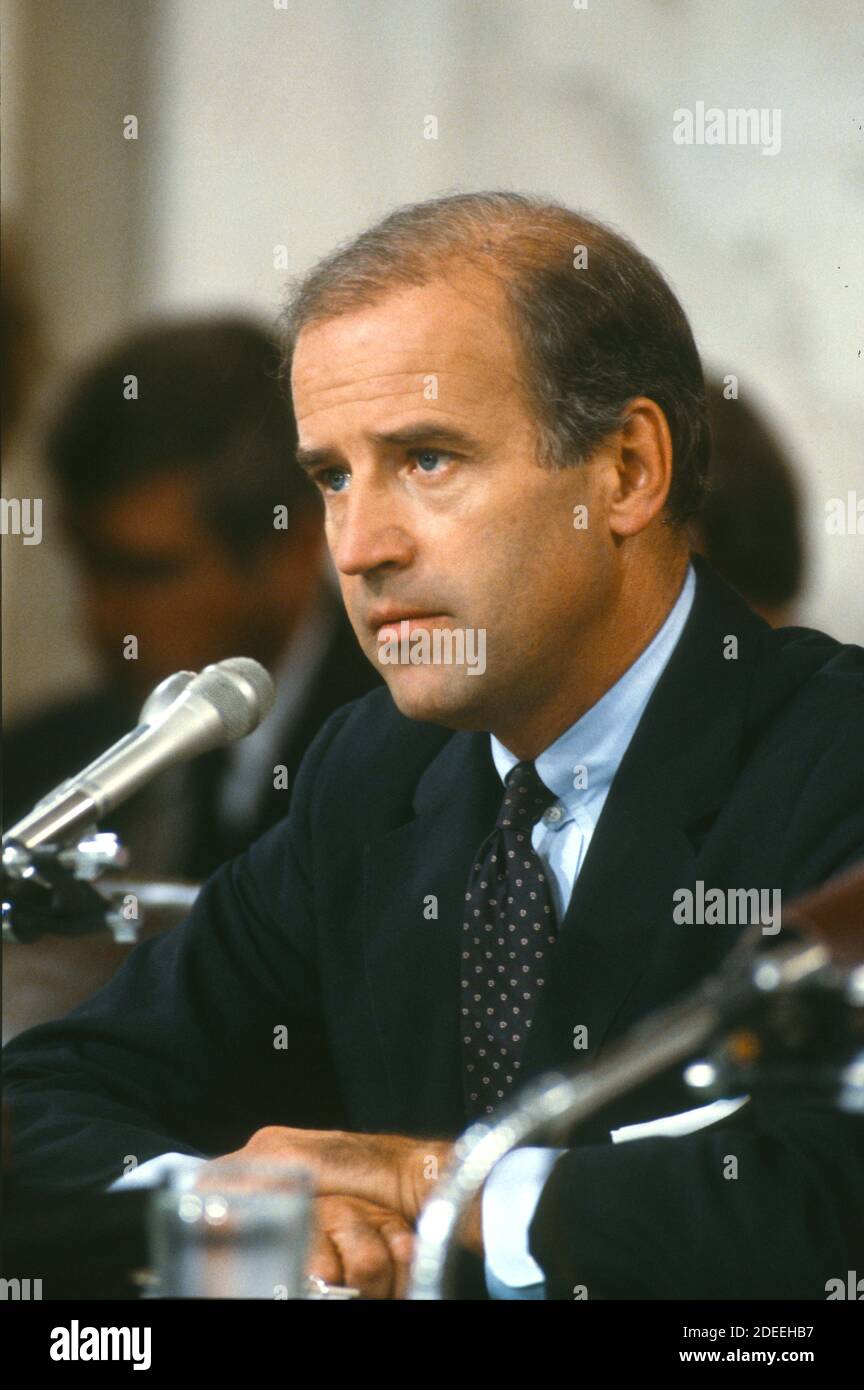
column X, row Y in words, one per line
column 401, row 622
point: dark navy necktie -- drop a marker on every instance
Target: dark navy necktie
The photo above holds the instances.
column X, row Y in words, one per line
column 508, row 931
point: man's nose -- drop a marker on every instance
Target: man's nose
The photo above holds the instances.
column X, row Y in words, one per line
column 370, row 531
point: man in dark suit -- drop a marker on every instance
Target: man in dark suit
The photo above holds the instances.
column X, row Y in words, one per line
column 510, row 437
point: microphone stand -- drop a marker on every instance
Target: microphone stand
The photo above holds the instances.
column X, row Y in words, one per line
column 50, row 888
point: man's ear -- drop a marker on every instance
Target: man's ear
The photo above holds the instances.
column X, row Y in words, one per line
column 641, row 468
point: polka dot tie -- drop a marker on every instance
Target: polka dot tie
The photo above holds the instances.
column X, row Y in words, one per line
column 508, row 931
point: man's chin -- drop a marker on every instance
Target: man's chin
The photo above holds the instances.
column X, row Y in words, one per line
column 454, row 700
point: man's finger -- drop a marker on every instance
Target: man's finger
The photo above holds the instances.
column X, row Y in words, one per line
column 400, row 1240
column 324, row 1259
column 367, row 1262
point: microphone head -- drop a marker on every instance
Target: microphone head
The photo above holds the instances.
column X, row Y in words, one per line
column 240, row 691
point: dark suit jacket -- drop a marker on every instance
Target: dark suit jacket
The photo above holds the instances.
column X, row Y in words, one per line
column 743, row 773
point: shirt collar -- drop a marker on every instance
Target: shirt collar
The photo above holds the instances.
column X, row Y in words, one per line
column 599, row 739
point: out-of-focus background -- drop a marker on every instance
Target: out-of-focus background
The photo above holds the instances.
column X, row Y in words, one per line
column 269, row 131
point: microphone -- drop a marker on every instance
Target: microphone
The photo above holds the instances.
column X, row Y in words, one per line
column 226, row 701
column 152, row 710
column 164, row 694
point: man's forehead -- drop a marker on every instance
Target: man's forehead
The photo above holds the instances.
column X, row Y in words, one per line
column 440, row 336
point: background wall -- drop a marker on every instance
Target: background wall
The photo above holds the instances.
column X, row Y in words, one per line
column 264, row 127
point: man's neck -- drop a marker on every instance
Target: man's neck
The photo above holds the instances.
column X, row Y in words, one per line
column 636, row 619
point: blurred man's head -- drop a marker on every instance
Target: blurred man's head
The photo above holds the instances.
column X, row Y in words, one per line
column 503, row 406
column 749, row 524
column 169, row 499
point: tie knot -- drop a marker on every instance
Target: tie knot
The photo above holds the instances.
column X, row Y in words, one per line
column 526, row 797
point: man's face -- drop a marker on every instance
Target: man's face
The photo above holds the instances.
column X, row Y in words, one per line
column 413, row 422
column 153, row 570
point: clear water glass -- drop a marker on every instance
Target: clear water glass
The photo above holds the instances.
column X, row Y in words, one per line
column 233, row 1228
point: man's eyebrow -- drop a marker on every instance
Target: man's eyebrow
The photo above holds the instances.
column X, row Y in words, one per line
column 421, row 432
column 311, row 458
column 424, row 431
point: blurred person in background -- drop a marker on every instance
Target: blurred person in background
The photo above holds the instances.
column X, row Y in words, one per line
column 749, row 525
column 194, row 535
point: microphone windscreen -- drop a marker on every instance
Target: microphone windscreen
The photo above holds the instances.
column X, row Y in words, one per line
column 240, row 690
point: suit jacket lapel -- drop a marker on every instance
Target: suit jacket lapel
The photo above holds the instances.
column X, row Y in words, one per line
column 414, row 888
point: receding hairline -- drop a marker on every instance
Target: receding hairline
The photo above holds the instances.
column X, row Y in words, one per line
column 448, row 240
column 423, row 242
column 590, row 341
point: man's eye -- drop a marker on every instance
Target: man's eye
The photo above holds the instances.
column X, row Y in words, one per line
column 428, row 458
column 332, row 479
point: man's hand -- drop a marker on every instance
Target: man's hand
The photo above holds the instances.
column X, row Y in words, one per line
column 358, row 1243
column 387, row 1169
